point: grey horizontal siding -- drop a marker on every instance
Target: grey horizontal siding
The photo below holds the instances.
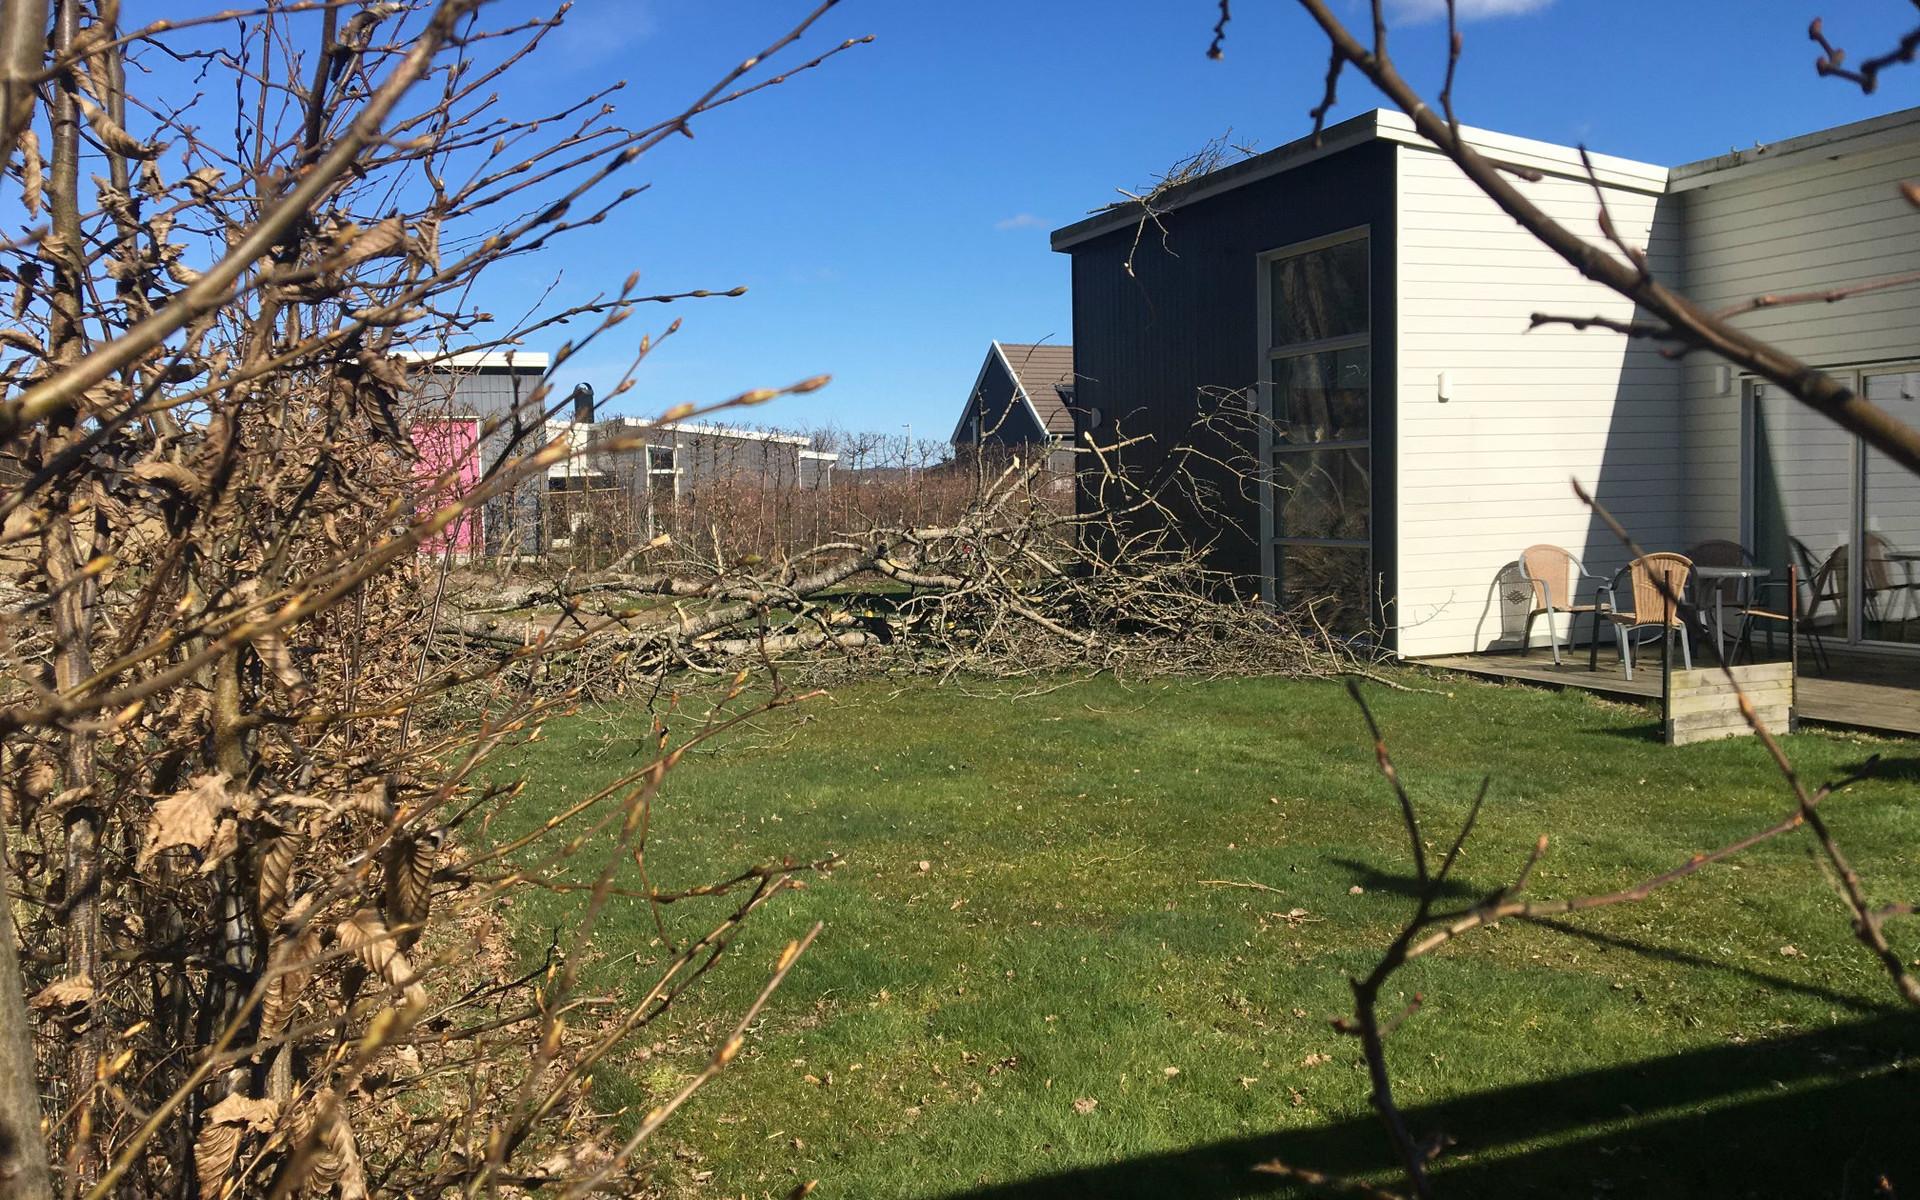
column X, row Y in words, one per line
column 1830, row 224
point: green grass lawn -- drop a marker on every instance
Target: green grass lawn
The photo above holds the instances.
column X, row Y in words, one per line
column 1036, row 912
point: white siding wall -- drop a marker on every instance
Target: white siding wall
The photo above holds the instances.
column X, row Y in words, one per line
column 1488, row 473
column 1827, row 224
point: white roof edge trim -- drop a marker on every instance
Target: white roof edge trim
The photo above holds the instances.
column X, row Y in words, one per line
column 729, row 431
column 1033, row 410
column 1550, row 157
column 974, row 395
column 530, row 360
column 1388, row 125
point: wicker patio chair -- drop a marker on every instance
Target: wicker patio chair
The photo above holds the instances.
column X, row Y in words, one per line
column 1555, row 576
column 1653, row 607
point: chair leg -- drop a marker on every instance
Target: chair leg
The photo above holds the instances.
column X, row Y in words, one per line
column 1526, row 636
column 1686, row 648
column 1626, row 650
column 1819, row 648
column 1593, row 643
column 1553, row 634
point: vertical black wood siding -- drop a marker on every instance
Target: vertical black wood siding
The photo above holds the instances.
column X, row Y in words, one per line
column 1186, row 321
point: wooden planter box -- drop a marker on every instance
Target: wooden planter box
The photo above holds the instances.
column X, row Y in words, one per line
column 1703, row 704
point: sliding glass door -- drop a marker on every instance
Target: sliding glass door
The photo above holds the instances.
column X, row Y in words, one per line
column 1316, row 438
column 1889, row 605
column 1824, row 502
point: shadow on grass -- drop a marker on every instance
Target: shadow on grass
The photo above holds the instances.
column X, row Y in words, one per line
column 1375, row 880
column 1896, row 770
column 1829, row 1113
column 1650, row 731
column 1852, row 1003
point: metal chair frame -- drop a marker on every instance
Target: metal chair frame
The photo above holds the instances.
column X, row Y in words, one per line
column 1543, row 578
column 1648, row 599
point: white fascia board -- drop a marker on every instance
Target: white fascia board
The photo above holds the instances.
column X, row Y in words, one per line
column 1381, row 124
column 973, row 396
column 726, row 431
column 516, row 360
column 1020, row 388
column 1548, row 157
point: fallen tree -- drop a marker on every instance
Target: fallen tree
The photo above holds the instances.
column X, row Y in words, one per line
column 1016, row 586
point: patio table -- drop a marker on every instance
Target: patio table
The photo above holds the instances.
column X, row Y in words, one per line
column 1910, row 602
column 1746, row 575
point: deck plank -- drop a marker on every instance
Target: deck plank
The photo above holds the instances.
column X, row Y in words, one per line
column 1857, row 704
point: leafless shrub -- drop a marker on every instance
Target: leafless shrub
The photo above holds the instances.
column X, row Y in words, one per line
column 246, row 800
column 1688, row 328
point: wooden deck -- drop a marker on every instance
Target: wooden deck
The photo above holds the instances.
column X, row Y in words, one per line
column 1863, row 696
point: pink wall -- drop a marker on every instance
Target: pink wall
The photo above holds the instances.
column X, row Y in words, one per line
column 446, row 444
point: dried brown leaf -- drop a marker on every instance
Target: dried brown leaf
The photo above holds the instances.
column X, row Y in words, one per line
column 168, row 472
column 408, row 865
column 272, row 648
column 389, row 237
column 213, row 1154
column 215, row 1150
column 368, row 939
column 33, row 174
column 204, row 181
column 74, row 989
column 192, row 817
column 427, row 242
column 40, row 778
column 276, row 880
column 238, row 1109
column 372, row 800
column 114, row 138
column 338, row 1163
column 282, row 993
column 226, row 840
column 150, row 181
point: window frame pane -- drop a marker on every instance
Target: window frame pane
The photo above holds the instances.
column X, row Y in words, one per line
column 1348, row 465
column 1272, row 384
column 1275, row 445
column 1278, row 311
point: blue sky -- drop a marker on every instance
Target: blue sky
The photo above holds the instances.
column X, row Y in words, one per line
column 889, row 212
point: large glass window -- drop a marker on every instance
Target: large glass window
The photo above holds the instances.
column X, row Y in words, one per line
column 1846, row 515
column 1320, row 293
column 1889, row 587
column 1317, row 395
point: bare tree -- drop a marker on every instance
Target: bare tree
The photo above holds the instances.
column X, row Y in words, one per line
column 1687, row 327
column 246, row 793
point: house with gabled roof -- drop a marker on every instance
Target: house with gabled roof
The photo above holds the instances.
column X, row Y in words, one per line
column 1022, row 401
